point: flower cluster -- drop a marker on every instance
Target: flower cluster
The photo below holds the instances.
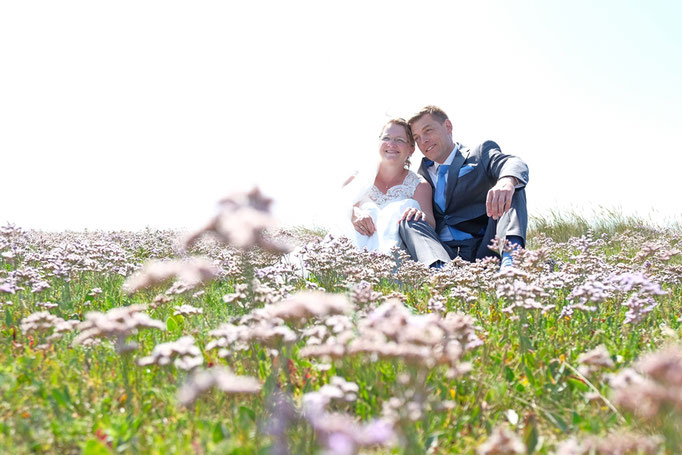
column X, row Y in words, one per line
column 362, row 294
column 654, row 384
column 267, row 325
column 595, row 359
column 190, row 272
column 186, row 310
column 183, row 352
column 118, row 324
column 43, row 321
column 361, row 310
column 242, row 222
column 392, row 331
column 341, row 433
column 613, row 444
column 219, row 377
column 301, row 307
column 229, row 337
column 336, row 261
column 641, row 301
column 502, row 441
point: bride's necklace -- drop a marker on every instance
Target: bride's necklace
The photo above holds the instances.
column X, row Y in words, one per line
column 385, row 186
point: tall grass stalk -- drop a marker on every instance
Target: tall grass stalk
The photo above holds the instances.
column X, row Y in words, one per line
column 561, row 226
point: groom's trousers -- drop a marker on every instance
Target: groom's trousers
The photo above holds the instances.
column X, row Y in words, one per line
column 424, row 245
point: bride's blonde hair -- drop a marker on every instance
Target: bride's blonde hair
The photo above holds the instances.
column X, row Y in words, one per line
column 402, row 122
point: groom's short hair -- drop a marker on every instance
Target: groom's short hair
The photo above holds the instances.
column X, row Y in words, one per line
column 434, row 111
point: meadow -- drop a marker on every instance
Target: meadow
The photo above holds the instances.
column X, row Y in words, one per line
column 225, row 341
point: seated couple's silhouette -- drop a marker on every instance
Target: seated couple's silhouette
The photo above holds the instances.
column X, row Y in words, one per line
column 460, row 199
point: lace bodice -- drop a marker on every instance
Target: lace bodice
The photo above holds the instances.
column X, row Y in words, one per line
column 395, row 193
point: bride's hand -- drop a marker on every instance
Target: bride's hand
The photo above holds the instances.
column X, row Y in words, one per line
column 362, row 222
column 413, row 214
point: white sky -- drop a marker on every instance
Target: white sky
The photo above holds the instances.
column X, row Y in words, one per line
column 133, row 113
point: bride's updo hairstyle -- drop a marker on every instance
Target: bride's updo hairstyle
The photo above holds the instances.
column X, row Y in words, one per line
column 402, row 122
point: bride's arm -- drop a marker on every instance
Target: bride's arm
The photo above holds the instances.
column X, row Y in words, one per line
column 348, row 180
column 360, row 219
column 424, row 195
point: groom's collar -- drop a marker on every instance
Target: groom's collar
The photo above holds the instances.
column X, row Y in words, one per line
column 447, row 161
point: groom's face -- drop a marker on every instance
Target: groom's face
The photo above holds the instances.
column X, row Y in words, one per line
column 433, row 138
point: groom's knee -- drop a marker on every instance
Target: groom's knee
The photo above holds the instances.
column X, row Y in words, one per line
column 414, row 227
column 410, row 225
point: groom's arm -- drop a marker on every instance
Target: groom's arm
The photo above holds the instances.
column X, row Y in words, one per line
column 499, row 198
column 423, row 194
column 499, row 165
column 510, row 173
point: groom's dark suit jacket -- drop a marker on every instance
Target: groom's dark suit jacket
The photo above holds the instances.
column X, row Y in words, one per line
column 472, row 173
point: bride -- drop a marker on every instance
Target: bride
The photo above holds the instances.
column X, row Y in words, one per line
column 395, row 194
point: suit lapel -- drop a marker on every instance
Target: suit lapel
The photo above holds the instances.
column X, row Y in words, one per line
column 453, row 172
column 424, row 172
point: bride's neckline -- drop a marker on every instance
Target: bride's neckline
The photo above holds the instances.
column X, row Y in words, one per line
column 402, row 182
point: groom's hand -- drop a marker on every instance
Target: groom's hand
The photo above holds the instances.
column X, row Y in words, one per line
column 500, row 197
column 362, row 222
column 413, row 214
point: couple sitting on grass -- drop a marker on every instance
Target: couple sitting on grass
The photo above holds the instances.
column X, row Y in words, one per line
column 462, row 199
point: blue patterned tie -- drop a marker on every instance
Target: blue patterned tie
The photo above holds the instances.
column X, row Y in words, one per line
column 439, row 197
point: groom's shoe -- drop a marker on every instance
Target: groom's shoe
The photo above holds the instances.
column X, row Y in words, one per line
column 507, row 260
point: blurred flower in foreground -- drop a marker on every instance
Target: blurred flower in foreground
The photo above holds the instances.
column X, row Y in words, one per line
column 242, row 222
column 595, row 359
column 340, row 433
column 658, row 387
column 186, row 354
column 191, row 272
column 47, row 305
column 7, row 288
column 613, row 444
column 315, row 403
column 186, row 310
column 218, row 377
column 117, row 323
column 498, row 246
column 267, row 325
column 305, row 305
column 283, row 416
column 43, row 321
column 94, row 292
column 502, row 441
column 392, row 331
column 362, row 294
column 230, row 337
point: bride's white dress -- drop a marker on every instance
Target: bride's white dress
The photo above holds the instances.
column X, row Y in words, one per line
column 386, row 210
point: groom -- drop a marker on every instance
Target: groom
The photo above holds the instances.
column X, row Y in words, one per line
column 478, row 194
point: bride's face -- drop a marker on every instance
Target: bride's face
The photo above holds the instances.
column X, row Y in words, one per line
column 395, row 145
